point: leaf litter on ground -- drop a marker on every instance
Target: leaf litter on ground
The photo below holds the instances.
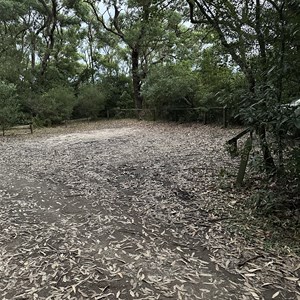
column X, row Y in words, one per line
column 128, row 210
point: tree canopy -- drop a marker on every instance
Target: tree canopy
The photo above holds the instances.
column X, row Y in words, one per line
column 74, row 58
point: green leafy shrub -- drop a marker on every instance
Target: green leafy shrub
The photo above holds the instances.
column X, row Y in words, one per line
column 9, row 105
column 91, row 101
column 53, row 106
column 117, row 91
column 171, row 89
column 293, row 165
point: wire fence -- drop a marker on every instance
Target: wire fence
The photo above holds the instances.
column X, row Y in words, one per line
column 178, row 114
column 199, row 114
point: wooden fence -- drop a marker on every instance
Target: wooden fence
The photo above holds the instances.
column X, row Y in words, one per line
column 244, row 153
column 18, row 127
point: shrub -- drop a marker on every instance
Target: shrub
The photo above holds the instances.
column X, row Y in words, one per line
column 9, row 106
column 54, row 106
column 90, row 103
column 170, row 87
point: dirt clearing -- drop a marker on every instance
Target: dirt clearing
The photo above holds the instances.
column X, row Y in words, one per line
column 126, row 210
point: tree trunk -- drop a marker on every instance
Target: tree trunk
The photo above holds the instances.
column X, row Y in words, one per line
column 50, row 38
column 91, row 52
column 282, row 52
column 33, row 50
column 268, row 159
column 280, row 155
column 136, row 79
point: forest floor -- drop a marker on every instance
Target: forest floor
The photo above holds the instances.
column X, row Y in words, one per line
column 130, row 210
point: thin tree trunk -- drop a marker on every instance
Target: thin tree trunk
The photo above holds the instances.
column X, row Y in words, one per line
column 33, row 49
column 280, row 155
column 270, row 166
column 268, row 159
column 51, row 41
column 136, row 80
column 91, row 52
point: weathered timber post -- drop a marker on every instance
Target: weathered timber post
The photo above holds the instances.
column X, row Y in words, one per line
column 232, row 143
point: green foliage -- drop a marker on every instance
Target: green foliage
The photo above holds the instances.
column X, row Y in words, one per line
column 293, row 165
column 109, row 93
column 91, row 101
column 270, row 66
column 170, row 87
column 282, row 121
column 220, row 84
column 54, row 106
column 117, row 91
column 210, row 84
column 9, row 106
column 10, row 10
column 273, row 218
column 10, row 66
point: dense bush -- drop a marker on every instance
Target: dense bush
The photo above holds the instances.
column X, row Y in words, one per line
column 182, row 85
column 117, row 91
column 218, row 83
column 169, row 89
column 9, row 106
column 91, row 101
column 53, row 106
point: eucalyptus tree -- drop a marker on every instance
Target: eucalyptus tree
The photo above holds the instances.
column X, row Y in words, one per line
column 9, row 106
column 143, row 28
column 257, row 35
column 55, row 29
column 65, row 66
column 12, row 36
column 38, row 31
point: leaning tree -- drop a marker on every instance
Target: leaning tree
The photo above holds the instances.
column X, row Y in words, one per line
column 261, row 38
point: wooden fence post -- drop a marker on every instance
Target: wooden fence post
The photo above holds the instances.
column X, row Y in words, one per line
column 244, row 162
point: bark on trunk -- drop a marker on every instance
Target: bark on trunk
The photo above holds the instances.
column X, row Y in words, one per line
column 91, row 52
column 51, row 39
column 136, row 79
column 33, row 49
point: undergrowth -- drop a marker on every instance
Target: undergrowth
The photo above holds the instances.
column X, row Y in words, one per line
column 270, row 214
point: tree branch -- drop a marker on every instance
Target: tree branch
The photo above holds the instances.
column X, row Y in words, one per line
column 100, row 19
column 214, row 22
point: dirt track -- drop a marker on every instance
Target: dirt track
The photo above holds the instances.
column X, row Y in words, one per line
column 121, row 211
